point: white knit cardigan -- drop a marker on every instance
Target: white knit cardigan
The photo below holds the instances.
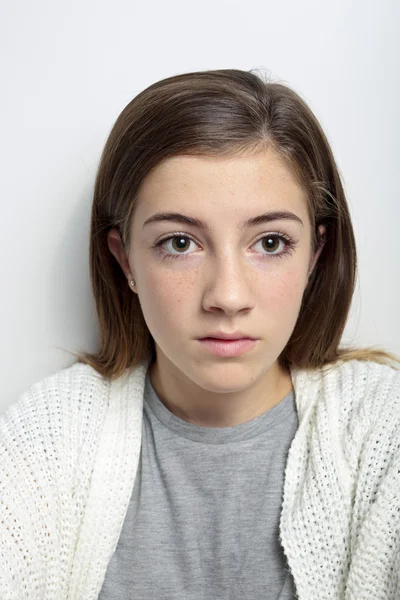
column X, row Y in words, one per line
column 69, row 452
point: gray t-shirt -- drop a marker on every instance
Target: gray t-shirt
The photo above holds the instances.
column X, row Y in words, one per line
column 203, row 519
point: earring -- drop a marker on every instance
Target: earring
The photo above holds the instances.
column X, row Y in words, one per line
column 133, row 282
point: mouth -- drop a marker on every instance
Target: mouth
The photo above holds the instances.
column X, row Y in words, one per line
column 227, row 348
column 224, row 340
column 225, row 335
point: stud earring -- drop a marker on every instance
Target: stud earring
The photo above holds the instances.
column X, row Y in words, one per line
column 133, row 282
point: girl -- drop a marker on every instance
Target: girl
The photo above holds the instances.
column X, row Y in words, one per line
column 220, row 444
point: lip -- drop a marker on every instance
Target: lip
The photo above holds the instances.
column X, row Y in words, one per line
column 235, row 335
column 221, row 347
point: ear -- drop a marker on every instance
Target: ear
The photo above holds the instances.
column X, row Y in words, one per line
column 321, row 237
column 117, row 249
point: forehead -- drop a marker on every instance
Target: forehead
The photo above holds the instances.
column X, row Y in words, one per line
column 224, row 185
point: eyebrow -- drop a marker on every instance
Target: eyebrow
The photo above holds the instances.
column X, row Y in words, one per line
column 258, row 220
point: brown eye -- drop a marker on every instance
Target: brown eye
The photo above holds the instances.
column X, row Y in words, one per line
column 180, row 243
column 271, row 243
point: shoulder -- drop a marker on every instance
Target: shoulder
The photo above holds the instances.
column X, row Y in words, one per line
column 357, row 398
column 58, row 410
column 369, row 387
column 75, row 385
column 48, row 442
column 356, row 404
column 366, row 397
column 79, row 380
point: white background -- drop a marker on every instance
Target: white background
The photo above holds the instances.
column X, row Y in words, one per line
column 68, row 68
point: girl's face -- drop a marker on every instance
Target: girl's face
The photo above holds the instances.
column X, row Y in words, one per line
column 225, row 275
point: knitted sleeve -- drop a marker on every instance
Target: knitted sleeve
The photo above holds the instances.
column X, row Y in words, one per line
column 46, row 441
column 375, row 542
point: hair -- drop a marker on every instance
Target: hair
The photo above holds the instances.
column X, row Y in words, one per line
column 222, row 112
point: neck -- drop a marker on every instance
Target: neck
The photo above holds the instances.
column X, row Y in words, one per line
column 189, row 401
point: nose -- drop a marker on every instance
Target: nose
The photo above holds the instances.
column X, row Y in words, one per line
column 228, row 287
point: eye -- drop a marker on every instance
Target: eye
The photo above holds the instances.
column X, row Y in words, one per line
column 270, row 242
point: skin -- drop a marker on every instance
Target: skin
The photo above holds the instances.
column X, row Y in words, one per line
column 224, row 279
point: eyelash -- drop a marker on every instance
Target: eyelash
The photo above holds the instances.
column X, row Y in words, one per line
column 290, row 244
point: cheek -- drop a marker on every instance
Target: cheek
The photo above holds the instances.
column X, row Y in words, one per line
column 282, row 289
column 279, row 306
column 169, row 299
column 164, row 300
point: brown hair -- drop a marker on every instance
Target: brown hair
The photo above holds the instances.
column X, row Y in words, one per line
column 215, row 113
